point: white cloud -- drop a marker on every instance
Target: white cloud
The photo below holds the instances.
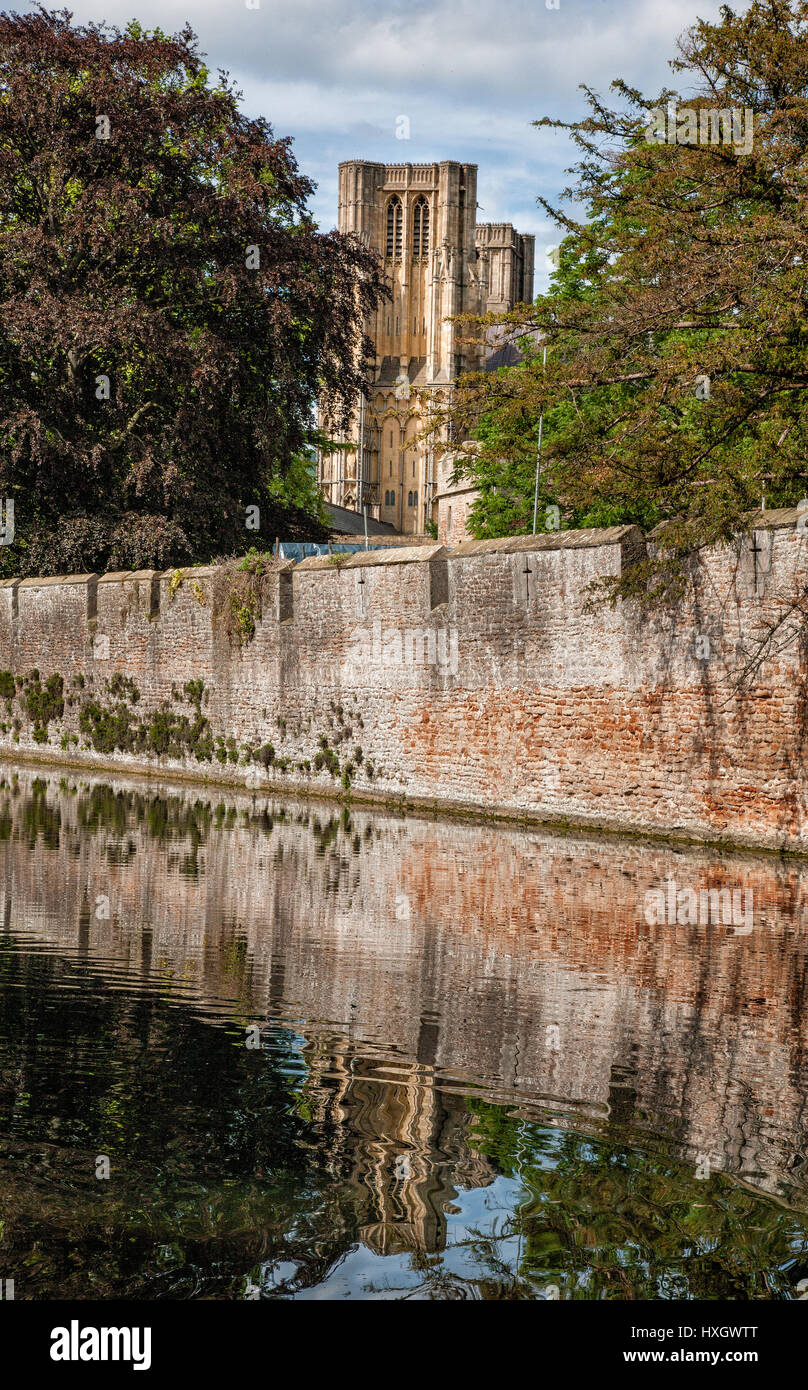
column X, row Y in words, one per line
column 471, row 75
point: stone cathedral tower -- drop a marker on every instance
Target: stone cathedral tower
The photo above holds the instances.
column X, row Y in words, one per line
column 421, row 219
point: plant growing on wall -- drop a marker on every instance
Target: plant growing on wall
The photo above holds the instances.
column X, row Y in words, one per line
column 239, row 590
column 42, row 702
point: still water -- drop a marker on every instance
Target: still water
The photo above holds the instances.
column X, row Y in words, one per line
column 324, row 1055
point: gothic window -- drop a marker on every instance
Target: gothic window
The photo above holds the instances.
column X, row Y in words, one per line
column 420, row 227
column 409, row 499
column 394, row 219
column 415, row 498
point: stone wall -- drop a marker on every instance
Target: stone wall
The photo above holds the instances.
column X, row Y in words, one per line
column 454, row 507
column 484, row 678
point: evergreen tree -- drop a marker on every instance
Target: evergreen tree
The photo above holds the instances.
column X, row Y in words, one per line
column 676, row 326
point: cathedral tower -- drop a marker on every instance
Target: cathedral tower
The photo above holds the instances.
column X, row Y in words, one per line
column 421, row 219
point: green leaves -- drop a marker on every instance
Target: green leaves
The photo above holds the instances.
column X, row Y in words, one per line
column 123, row 259
column 675, row 322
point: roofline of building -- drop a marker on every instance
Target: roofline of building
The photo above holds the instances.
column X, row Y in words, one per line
column 408, row 163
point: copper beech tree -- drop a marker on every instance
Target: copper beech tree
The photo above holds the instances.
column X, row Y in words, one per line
column 676, row 325
column 169, row 312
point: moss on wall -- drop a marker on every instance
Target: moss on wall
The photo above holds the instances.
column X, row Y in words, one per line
column 112, row 720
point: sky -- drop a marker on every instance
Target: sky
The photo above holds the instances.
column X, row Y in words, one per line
column 464, row 78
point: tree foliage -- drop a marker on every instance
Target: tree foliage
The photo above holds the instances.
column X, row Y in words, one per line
column 156, row 249
column 676, row 328
column 617, row 1213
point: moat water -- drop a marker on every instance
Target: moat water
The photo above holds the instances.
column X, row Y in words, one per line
column 263, row 1050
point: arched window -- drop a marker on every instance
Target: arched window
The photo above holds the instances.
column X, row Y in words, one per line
column 420, row 227
column 415, row 498
column 409, row 499
column 394, row 218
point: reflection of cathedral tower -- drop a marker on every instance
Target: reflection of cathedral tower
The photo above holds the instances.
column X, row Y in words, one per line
column 421, row 218
column 405, row 1141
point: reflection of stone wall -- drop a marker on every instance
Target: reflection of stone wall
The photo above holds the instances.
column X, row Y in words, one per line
column 525, row 702
column 426, row 958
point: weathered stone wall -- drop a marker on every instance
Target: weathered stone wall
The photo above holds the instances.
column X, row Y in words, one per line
column 454, row 509
column 483, row 678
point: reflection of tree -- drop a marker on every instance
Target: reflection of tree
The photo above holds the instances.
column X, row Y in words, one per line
column 601, row 1219
column 212, row 1170
column 274, row 1166
column 225, row 1162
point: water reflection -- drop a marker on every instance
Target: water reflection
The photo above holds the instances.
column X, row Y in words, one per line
column 478, row 1070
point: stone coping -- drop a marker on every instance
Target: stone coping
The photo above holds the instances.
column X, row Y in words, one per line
column 778, row 518
column 773, row 519
column 550, row 540
column 121, row 576
column 456, row 492
column 48, row 580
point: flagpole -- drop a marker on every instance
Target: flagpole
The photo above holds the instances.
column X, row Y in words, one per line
column 538, row 457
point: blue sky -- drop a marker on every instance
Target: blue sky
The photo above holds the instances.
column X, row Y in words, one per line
column 469, row 75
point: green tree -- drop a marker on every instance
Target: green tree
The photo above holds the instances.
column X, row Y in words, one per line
column 676, row 369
